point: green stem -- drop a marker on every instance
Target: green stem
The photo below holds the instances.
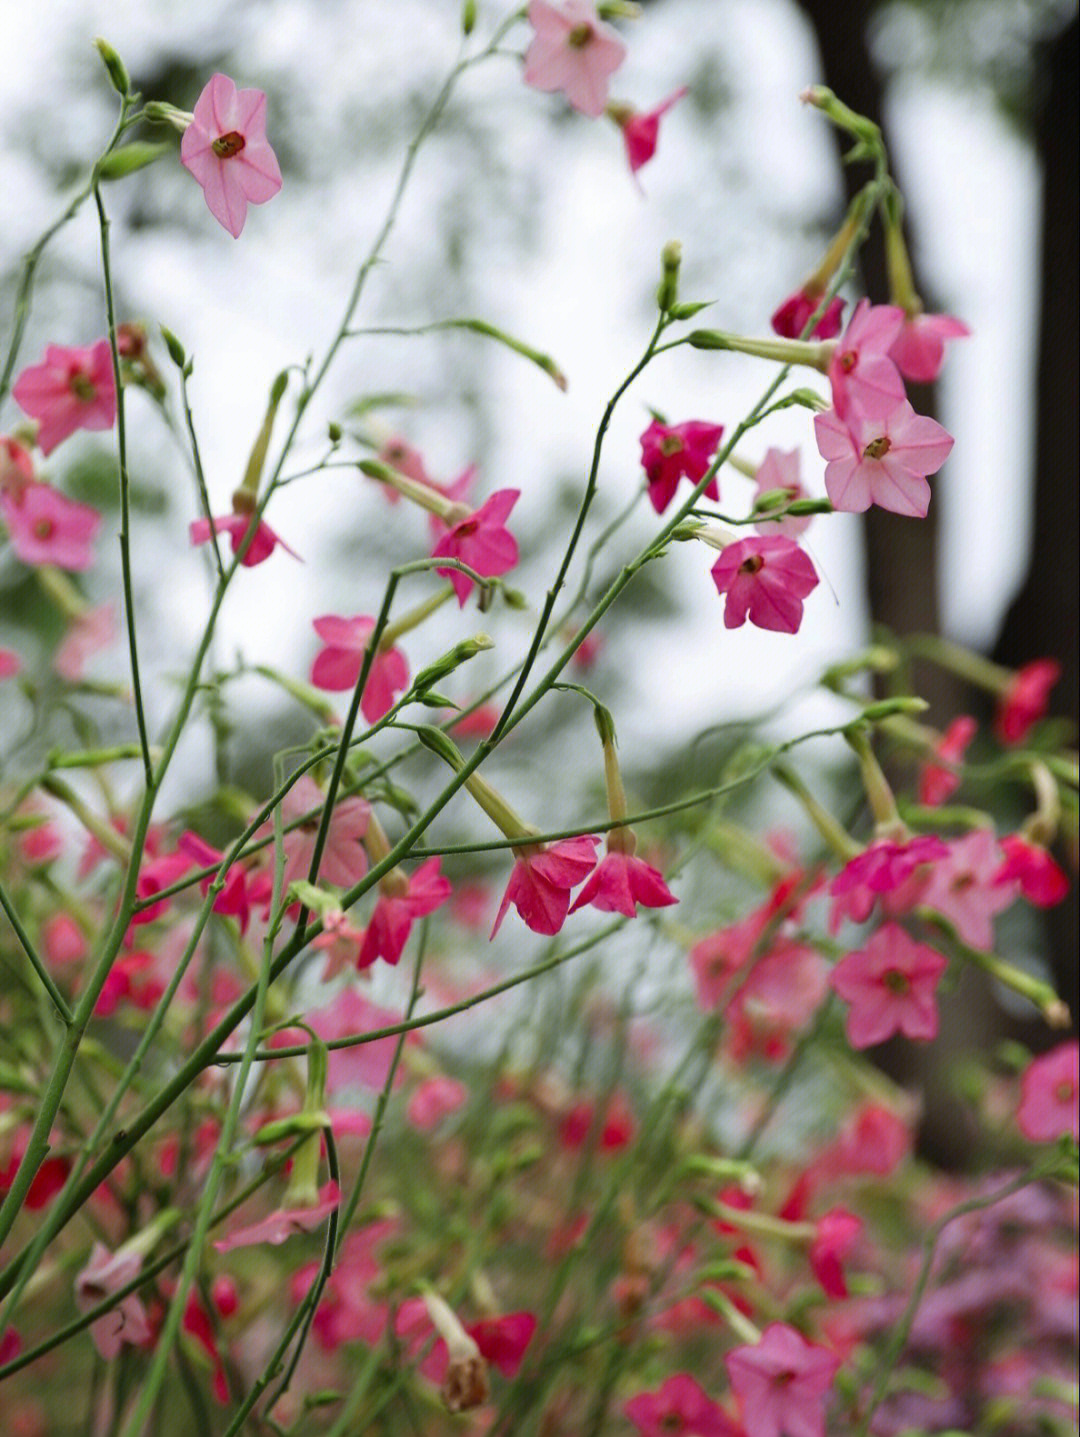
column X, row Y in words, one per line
column 59, row 1002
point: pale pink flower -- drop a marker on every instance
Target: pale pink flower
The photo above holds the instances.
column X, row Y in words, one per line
column 919, row 349
column 782, row 1383
column 964, row 888
column 619, row 882
column 399, row 454
column 779, row 470
column 365, row 1065
column 72, row 388
column 45, row 527
column 836, row 1233
column 938, row 782
column 791, row 318
column 338, row 665
column 434, row 1099
column 10, row 663
column 236, row 526
column 717, row 957
column 284, row 1222
column 679, row 1406
column 1042, row 881
column 94, row 629
column 641, row 129
column 1048, row 1095
column 541, row 880
column 881, row 460
column 670, row 452
column 340, row 941
column 16, row 468
column 891, row 986
column 766, row 578
column 863, row 377
column 482, row 541
column 572, row 51
column 226, row 149
column 395, row 913
column 103, row 1275
column 1025, row 700
column 343, row 861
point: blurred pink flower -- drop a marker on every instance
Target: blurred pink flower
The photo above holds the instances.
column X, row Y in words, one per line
column 782, row 1383
column 919, row 349
column 541, row 880
column 670, row 452
column 338, row 665
column 938, row 783
column 236, row 526
column 395, row 913
column 72, row 388
column 765, row 578
column 284, row 1222
column 1041, row 880
column 863, row 377
column 791, row 318
column 619, row 882
column 10, row 663
column 572, row 51
column 434, row 1099
column 780, row 470
column 1025, row 700
column 1048, row 1095
column 226, row 149
column 890, row 986
column 885, row 868
column 681, row 1407
column 93, row 630
column 881, row 460
column 45, row 527
column 964, row 887
column 16, row 468
column 103, row 1275
column 482, row 541
column 340, row 941
column 233, row 899
column 837, row 1232
column 63, row 940
column 366, row 1065
column 641, row 129
column 343, row 861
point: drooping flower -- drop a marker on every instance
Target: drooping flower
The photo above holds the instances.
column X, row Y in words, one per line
column 836, row 1234
column 919, row 349
column 1048, row 1095
column 938, row 782
column 890, row 986
column 572, row 51
column 766, row 578
column 882, row 459
column 619, row 882
column 886, row 869
column 232, row 900
column 964, row 888
column 338, row 665
column 1025, row 700
column 46, row 527
column 641, row 129
column 873, row 1140
column 104, row 1274
column 283, row 1223
column 541, row 880
column 236, row 526
column 72, row 388
column 864, row 379
column 782, row 1383
column 670, row 452
column 396, row 911
column 779, row 470
column 791, row 318
column 482, row 541
column 1042, row 881
column 225, row 148
column 343, row 861
column 94, row 629
column 680, row 1407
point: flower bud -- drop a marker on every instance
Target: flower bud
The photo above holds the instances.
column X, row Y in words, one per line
column 668, row 292
column 114, row 67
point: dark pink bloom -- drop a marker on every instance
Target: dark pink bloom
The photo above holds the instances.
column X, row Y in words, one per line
column 237, row 526
column 782, row 1383
column 93, row 630
column 619, row 882
column 1025, row 700
column 1041, row 880
column 641, row 130
column 482, row 541
column 964, row 888
column 434, row 1099
column 343, row 861
column 233, row 898
column 679, row 1407
column 502, row 1340
column 161, row 872
column 572, row 51
column 45, row 527
column 1048, row 1095
column 457, row 491
column 919, row 349
column 338, row 665
column 10, row 663
column 226, row 149
column 617, row 1126
column 284, row 1222
column 103, row 1275
column 884, row 868
column 891, row 986
column 836, row 1234
column 881, row 460
column 541, row 880
column 16, row 468
column 937, row 783
column 779, row 470
column 670, row 452
column 864, row 379
column 766, row 578
column 395, row 913
column 72, row 388
column 792, row 317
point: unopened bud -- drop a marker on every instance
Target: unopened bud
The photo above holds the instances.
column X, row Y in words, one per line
column 668, row 292
column 468, row 17
column 114, row 67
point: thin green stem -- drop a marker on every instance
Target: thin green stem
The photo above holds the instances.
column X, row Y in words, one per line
column 59, row 1001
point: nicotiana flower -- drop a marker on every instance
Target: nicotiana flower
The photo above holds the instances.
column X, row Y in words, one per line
column 836, row 1233
column 103, row 1275
column 862, row 376
column 791, row 318
column 890, row 986
column 541, row 880
column 434, row 1099
column 236, row 526
column 766, row 578
column 402, row 900
column 1042, row 881
column 919, row 349
column 572, row 51
column 937, row 783
column 782, row 1383
column 619, row 882
column 965, row 887
column 283, row 1222
column 226, row 149
column 779, row 470
column 482, row 541
column 670, row 452
column 338, row 665
column 886, row 870
column 46, row 527
column 343, row 861
column 16, row 468
column 1025, row 699
column 94, row 629
column 680, row 1407
column 1048, row 1095
column 881, row 459
column 641, row 129
column 72, row 388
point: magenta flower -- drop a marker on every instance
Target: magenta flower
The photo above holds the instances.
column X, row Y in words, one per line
column 671, row 451
column 93, row 630
column 1028, row 864
column 863, row 377
column 619, row 882
column 1025, row 700
column 103, row 1275
column 284, row 1222
column 502, row 1340
column 765, row 578
column 541, row 880
column 338, row 665
column 641, row 130
column 919, row 349
column 780, row 470
column 1048, row 1096
column 72, row 388
column 572, row 51
column 45, row 527
column 792, row 317
column 482, row 541
column 343, row 861
column 837, row 1232
column 10, row 663
column 939, row 778
column 395, row 913
column 226, row 149
column 883, row 460
column 890, row 985
column 232, row 900
column 679, row 1407
column 782, row 1383
column 888, row 870
column 236, row 526
column 965, row 888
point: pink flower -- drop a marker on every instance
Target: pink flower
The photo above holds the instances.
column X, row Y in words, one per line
column 619, row 882
column 919, row 349
column 435, row 1098
column 343, row 861
column 964, row 888
column 1048, row 1095
column 541, row 880
column 572, row 51
column 641, row 130
column 338, row 665
column 885, row 868
column 457, row 491
column 63, row 940
column 863, row 377
column 45, row 527
column 72, row 388
column 502, row 1340
column 679, row 1407
column 671, row 451
column 765, row 579
column 226, row 149
column 161, row 872
column 407, row 460
column 782, row 1383
column 93, row 630
column 340, row 941
column 1025, row 700
column 883, row 460
column 284, row 1222
column 836, row 1234
column 1041, row 880
column 779, row 470
column 873, row 1140
column 792, row 317
column 232, row 900
column 10, row 663
column 366, row 1065
column 890, row 985
column 937, row 783
column 237, row 526
column 482, row 541
column 395, row 913
column 103, row 1275
column 16, row 468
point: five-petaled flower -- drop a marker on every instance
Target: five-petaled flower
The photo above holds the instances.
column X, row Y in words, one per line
column 766, row 578
column 863, row 377
column 541, row 880
column 779, row 472
column 619, row 882
column 670, row 452
column 782, row 1383
column 891, row 986
column 572, row 51
column 1048, row 1095
column 72, row 388
column 482, row 541
column 679, row 1408
column 881, row 459
column 226, row 149
column 338, row 665
column 237, row 527
column 283, row 1222
column 46, row 527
